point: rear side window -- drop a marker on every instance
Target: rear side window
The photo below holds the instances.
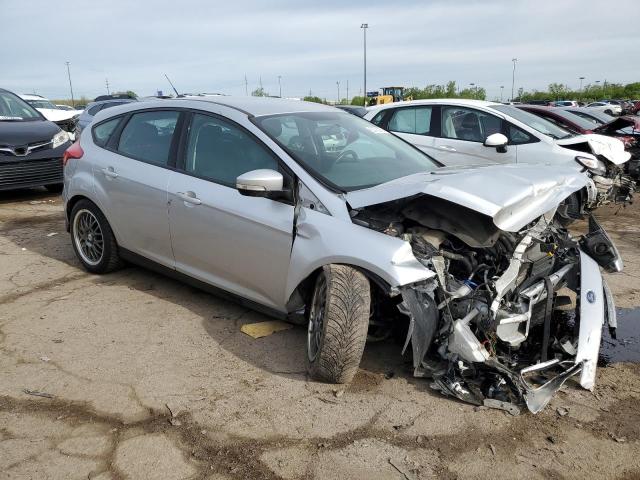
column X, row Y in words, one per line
column 411, row 120
column 102, row 132
column 219, row 151
column 147, row 136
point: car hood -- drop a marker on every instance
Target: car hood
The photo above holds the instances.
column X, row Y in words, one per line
column 57, row 115
column 22, row 133
column 610, row 148
column 512, row 195
column 620, row 123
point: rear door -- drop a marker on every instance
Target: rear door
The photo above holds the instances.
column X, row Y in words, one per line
column 238, row 243
column 131, row 176
column 416, row 125
column 462, row 135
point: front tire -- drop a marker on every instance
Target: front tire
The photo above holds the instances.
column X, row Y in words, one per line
column 92, row 239
column 338, row 323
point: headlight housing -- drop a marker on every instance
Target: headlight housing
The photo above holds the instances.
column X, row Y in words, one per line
column 60, row 138
column 593, row 164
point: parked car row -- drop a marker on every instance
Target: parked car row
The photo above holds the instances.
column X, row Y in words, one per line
column 610, row 107
column 472, row 132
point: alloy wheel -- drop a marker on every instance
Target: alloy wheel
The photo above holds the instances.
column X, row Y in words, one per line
column 88, row 238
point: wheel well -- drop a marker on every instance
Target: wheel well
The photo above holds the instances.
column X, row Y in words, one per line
column 72, row 203
column 301, row 295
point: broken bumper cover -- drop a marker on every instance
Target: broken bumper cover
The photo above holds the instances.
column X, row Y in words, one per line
column 596, row 309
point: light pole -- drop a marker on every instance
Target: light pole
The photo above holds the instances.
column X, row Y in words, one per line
column 581, row 79
column 501, row 92
column 472, row 89
column 364, row 27
column 338, row 84
column 513, row 76
column 73, row 103
column 597, row 85
column 280, row 85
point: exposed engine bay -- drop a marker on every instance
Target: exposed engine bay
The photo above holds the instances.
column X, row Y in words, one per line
column 504, row 321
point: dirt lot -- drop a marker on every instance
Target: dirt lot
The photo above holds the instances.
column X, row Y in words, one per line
column 149, row 378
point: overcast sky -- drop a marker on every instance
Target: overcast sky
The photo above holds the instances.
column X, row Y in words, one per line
column 209, row 46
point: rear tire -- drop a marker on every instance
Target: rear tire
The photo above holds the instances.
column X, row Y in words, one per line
column 609, row 112
column 338, row 323
column 92, row 239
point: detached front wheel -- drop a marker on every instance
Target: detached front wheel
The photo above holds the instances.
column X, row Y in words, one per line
column 338, row 323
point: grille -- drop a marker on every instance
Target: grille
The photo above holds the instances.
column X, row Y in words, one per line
column 30, row 173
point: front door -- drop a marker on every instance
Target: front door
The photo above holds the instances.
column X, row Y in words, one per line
column 463, row 132
column 238, row 243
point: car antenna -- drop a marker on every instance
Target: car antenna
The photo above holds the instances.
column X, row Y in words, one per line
column 174, row 88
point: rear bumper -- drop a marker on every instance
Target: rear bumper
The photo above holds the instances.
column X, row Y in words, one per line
column 38, row 169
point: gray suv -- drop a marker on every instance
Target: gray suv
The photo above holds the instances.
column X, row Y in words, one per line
column 314, row 215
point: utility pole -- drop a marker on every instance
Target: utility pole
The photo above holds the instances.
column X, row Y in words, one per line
column 338, row 84
column 513, row 77
column 106, row 82
column 280, row 85
column 364, row 27
column 246, row 86
column 73, row 103
column 501, row 92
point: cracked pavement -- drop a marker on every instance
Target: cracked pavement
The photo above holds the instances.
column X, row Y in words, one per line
column 145, row 377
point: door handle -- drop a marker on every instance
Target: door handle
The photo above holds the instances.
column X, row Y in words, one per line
column 189, row 197
column 110, row 172
column 448, row 148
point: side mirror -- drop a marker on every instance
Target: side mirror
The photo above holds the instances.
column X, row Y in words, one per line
column 262, row 183
column 497, row 141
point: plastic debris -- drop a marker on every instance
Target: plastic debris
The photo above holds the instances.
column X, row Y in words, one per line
column 264, row 329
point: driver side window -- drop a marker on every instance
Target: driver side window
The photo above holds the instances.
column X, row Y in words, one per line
column 219, row 151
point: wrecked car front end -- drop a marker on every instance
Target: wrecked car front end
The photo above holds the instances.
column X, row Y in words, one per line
column 608, row 164
column 517, row 304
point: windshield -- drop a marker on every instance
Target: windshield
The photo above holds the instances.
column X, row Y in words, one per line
column 537, row 123
column 42, row 104
column 13, row 108
column 345, row 151
column 577, row 119
column 594, row 119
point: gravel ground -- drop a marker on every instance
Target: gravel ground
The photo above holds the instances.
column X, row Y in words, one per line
column 144, row 377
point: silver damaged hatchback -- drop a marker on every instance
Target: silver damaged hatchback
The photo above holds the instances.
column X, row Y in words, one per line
column 314, row 215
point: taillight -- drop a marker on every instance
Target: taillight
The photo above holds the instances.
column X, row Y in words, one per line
column 74, row 151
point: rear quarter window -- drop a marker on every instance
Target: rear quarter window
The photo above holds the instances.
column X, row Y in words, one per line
column 103, row 131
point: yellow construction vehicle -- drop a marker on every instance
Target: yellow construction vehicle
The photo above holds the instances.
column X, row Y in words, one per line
column 389, row 95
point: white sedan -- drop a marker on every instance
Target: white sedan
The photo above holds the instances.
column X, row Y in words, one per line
column 473, row 132
column 604, row 107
